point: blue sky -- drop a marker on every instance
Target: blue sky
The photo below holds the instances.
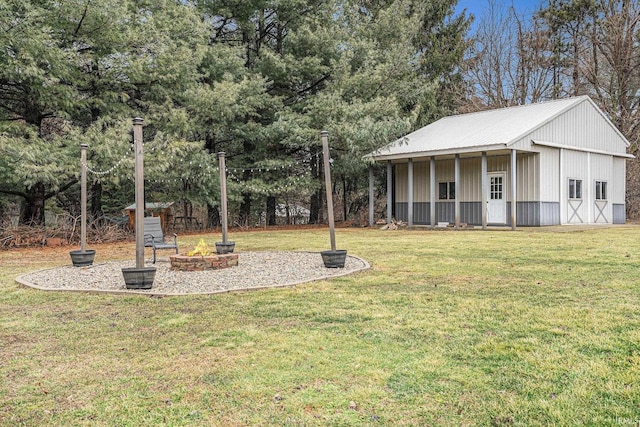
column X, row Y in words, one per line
column 476, row 7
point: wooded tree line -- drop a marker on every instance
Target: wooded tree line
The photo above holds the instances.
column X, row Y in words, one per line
column 566, row 48
column 259, row 80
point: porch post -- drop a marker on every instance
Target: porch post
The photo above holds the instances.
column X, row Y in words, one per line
column 562, row 183
column 389, row 190
column 371, row 201
column 457, row 187
column 513, row 189
column 586, row 190
column 432, row 190
column 410, row 193
column 484, row 189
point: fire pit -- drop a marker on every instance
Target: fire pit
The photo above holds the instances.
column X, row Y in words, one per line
column 201, row 258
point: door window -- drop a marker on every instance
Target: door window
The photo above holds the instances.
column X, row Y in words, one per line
column 495, row 191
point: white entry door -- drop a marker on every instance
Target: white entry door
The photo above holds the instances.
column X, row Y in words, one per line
column 496, row 203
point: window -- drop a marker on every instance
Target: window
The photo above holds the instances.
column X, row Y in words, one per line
column 495, row 192
column 575, row 189
column 447, row 191
column 601, row 190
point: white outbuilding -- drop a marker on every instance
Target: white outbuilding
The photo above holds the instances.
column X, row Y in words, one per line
column 561, row 162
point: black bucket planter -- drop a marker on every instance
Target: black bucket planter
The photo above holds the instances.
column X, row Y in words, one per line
column 82, row 258
column 225, row 247
column 139, row 278
column 334, row 259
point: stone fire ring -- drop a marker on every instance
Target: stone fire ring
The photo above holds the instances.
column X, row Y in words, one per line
column 202, row 262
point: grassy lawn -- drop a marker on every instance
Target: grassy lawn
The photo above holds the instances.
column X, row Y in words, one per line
column 491, row 328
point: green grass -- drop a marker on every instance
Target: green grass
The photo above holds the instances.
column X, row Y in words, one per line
column 491, row 328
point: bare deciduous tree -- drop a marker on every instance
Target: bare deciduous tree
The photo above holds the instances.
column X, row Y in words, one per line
column 509, row 62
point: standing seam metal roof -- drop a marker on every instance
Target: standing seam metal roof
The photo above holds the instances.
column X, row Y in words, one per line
column 492, row 127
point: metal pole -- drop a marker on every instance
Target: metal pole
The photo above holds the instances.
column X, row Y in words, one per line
column 327, row 181
column 513, row 190
column 485, row 189
column 432, row 191
column 83, row 197
column 410, row 193
column 389, row 191
column 223, row 194
column 139, row 186
column 457, row 187
column 371, row 197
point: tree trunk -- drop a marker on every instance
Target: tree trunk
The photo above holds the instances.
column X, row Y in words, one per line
column 33, row 212
column 213, row 216
column 271, row 210
column 345, row 197
column 245, row 209
column 96, row 200
column 315, row 207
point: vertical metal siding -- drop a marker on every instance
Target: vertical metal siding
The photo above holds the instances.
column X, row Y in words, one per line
column 470, row 182
column 528, row 214
column 471, row 213
column 420, row 182
column 528, row 179
column 445, row 211
column 401, row 211
column 549, row 174
column 575, row 167
column 601, row 170
column 549, row 213
column 444, row 172
column 619, row 214
column 421, row 213
column 618, row 178
column 400, row 192
column 581, row 126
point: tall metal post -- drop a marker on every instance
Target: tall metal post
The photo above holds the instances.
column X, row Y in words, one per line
column 139, row 187
column 410, row 193
column 327, row 181
column 457, row 187
column 83, row 197
column 371, row 197
column 432, row 191
column 484, row 191
column 223, row 194
column 514, row 192
column 389, row 191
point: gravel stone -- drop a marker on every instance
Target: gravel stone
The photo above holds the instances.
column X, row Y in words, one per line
column 255, row 270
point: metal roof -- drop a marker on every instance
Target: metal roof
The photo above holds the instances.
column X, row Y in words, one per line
column 151, row 205
column 486, row 130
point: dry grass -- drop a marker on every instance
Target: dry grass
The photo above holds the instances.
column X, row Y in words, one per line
column 448, row 328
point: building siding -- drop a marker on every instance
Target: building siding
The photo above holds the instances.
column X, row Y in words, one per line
column 581, row 126
column 619, row 213
column 549, row 213
column 601, row 170
column 420, row 183
column 618, row 179
column 421, row 213
column 549, row 160
column 401, row 185
column 529, row 214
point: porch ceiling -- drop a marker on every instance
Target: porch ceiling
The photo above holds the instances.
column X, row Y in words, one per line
column 495, row 150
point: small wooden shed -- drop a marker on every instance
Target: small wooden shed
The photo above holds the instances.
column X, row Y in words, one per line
column 162, row 209
column 551, row 163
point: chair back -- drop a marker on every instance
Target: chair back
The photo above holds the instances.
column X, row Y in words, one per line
column 153, row 227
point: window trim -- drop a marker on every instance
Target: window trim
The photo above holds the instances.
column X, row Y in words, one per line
column 577, row 189
column 450, row 190
column 604, row 191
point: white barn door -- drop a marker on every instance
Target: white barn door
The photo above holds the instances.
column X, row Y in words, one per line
column 496, row 202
